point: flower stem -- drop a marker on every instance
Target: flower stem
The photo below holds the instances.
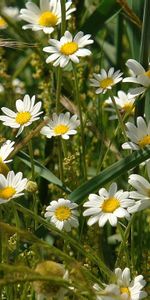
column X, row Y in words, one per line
column 118, row 115
column 63, row 16
column 81, row 121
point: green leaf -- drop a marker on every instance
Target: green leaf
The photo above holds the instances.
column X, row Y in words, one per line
column 97, row 19
column 110, row 173
column 42, row 171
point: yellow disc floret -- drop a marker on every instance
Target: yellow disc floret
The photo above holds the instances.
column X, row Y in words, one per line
column 144, row 141
column 69, row 48
column 110, row 205
column 61, row 129
column 3, row 23
column 23, row 117
column 147, row 73
column 63, row 213
column 105, row 83
column 47, row 18
column 125, row 290
column 7, row 192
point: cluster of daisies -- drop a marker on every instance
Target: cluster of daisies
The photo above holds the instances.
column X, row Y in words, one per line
column 108, row 205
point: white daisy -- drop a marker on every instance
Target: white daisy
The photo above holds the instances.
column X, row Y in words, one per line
column 107, row 206
column 142, row 193
column 5, row 150
column 68, row 49
column 105, row 80
column 27, row 112
column 45, row 17
column 140, row 76
column 130, row 289
column 12, row 12
column 139, row 135
column 125, row 102
column 61, row 125
column 11, row 186
column 111, row 292
column 63, row 214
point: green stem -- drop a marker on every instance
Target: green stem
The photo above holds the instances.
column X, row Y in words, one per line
column 124, row 241
column 118, row 115
column 81, row 121
column 63, row 16
column 60, row 159
column 144, row 52
column 32, row 159
column 58, row 89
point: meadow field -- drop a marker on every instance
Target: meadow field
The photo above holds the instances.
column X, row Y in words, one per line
column 74, row 149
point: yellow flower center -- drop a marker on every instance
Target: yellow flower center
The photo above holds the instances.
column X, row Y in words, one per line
column 60, row 129
column 144, row 141
column 128, row 107
column 2, row 23
column 124, row 290
column 69, row 48
column 7, row 192
column 110, row 205
column 23, row 117
column 147, row 73
column 63, row 213
column 3, row 168
column 47, row 19
column 104, row 83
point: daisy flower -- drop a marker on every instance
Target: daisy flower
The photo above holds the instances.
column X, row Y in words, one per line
column 139, row 135
column 130, row 289
column 11, row 186
column 61, row 125
column 111, row 292
column 63, row 214
column 45, row 17
column 11, row 12
column 107, row 206
column 140, row 76
column 105, row 80
column 5, row 150
column 125, row 102
column 142, row 193
column 68, row 49
column 27, row 112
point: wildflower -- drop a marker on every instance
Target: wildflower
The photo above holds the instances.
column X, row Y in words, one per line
column 63, row 214
column 68, row 49
column 5, row 150
column 61, row 125
column 27, row 112
column 130, row 289
column 139, row 135
column 111, row 292
column 45, row 17
column 105, row 80
column 140, row 76
column 11, row 186
column 142, row 193
column 10, row 12
column 107, row 206
column 125, row 102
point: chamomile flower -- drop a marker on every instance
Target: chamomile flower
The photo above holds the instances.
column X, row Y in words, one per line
column 139, row 135
column 5, row 150
column 107, row 206
column 11, row 186
column 9, row 11
column 125, row 102
column 140, row 76
column 68, row 49
column 27, row 113
column 142, row 193
column 63, row 214
column 130, row 289
column 105, row 80
column 45, row 17
column 61, row 125
column 111, row 292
